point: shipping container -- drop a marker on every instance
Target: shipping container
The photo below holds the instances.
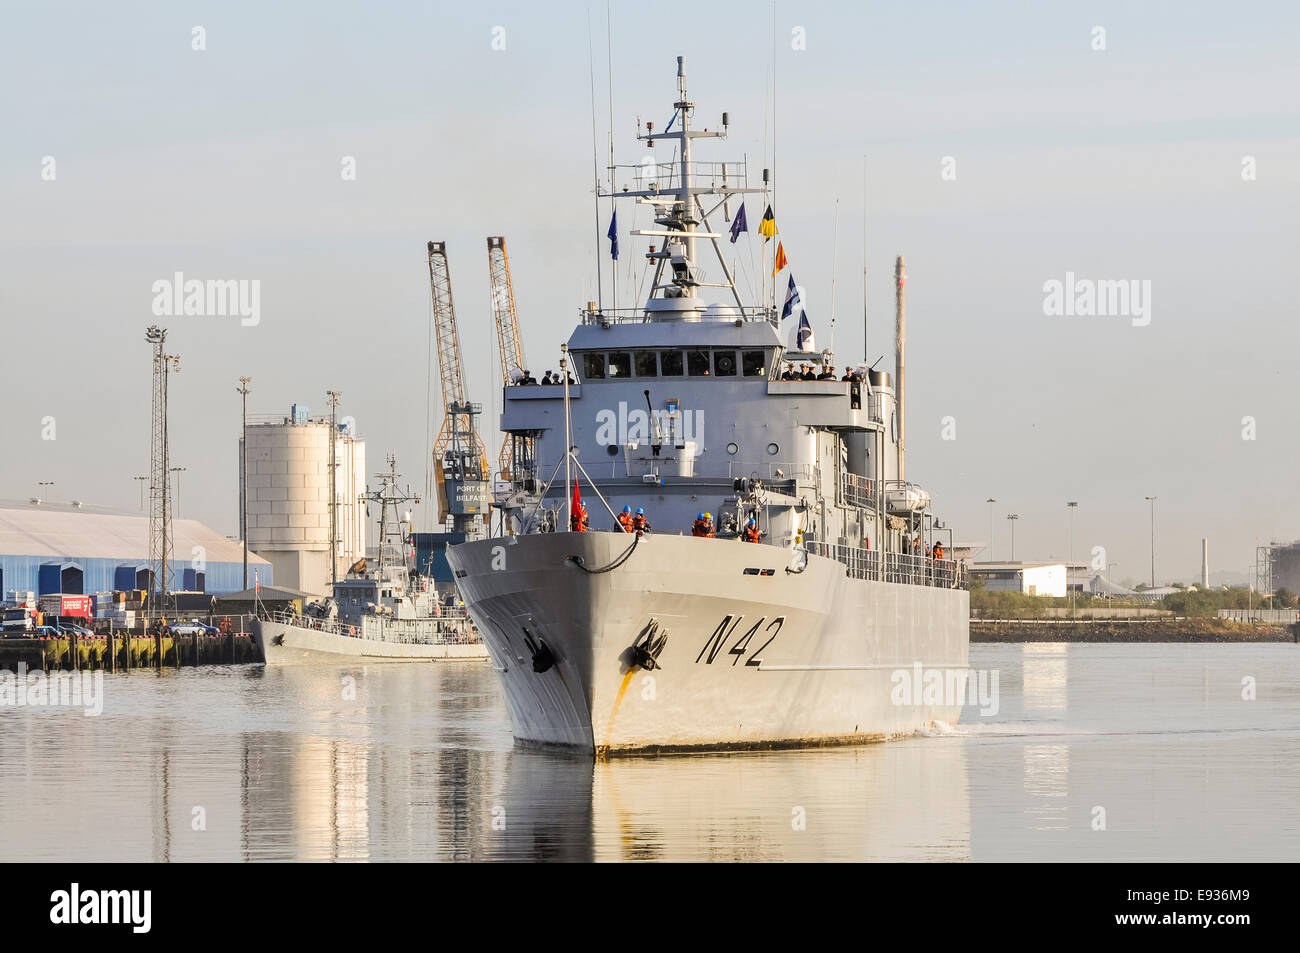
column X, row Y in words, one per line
column 63, row 604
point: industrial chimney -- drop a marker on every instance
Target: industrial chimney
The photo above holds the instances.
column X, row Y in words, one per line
column 1205, row 563
column 900, row 345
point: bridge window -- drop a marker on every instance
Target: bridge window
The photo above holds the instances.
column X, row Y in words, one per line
column 697, row 363
column 754, row 363
column 670, row 363
column 645, row 364
column 593, row 366
column 724, row 363
column 620, row 364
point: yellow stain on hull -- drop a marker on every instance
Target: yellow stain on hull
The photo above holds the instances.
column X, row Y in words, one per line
column 613, row 711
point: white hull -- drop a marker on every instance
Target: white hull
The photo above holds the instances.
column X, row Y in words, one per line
column 803, row 658
column 285, row 644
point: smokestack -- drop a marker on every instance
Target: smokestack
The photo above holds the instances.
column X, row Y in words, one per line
column 1205, row 564
column 900, row 345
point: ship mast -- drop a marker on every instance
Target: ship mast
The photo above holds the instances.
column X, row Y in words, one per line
column 679, row 209
column 390, row 554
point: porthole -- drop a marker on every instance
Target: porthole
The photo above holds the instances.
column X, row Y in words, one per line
column 773, row 449
column 612, row 450
column 733, row 448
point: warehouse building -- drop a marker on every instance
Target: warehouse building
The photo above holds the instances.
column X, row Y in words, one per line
column 78, row 549
column 1032, row 579
column 288, row 496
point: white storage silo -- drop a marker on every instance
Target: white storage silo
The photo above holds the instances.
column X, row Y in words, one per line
column 289, row 498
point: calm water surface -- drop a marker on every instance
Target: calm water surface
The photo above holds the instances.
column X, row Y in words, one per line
column 249, row 763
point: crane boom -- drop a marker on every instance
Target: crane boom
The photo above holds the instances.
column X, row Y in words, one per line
column 460, row 459
column 510, row 348
column 447, row 340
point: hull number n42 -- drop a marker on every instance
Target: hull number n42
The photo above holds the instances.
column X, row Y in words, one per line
column 756, row 633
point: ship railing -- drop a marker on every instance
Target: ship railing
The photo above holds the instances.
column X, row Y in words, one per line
column 774, row 473
column 451, row 628
column 666, row 176
column 288, row 617
column 608, row 316
column 857, row 490
column 901, row 568
column 445, row 630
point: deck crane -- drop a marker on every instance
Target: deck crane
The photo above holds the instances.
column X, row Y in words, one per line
column 517, row 450
column 459, row 457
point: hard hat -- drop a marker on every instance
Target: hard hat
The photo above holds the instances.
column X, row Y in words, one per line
column 640, row 512
column 751, row 522
column 708, row 516
column 700, row 516
column 627, row 509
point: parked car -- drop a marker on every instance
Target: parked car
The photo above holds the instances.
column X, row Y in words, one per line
column 193, row 627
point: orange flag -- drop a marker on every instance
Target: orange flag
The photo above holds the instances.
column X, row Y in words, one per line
column 781, row 260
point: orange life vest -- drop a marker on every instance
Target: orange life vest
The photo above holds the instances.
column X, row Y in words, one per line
column 625, row 520
column 751, row 534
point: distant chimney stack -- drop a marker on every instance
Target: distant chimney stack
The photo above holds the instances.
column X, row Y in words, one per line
column 900, row 349
column 1205, row 563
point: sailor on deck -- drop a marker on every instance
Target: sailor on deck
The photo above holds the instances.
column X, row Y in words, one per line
column 639, row 523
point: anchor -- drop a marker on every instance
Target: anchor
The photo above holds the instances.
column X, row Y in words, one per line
column 645, row 650
column 543, row 658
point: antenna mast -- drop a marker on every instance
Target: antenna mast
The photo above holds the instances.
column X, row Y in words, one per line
column 332, row 398
column 160, row 516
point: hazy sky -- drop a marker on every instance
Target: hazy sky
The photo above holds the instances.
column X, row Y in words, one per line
column 1122, row 163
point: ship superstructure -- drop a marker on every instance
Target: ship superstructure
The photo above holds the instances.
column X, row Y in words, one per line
column 678, row 407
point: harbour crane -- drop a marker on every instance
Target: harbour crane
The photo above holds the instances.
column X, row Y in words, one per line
column 516, row 451
column 459, row 457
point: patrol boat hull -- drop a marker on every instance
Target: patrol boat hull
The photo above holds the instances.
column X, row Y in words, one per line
column 755, row 656
column 283, row 643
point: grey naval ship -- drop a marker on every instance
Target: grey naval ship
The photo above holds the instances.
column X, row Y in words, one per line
column 384, row 612
column 615, row 641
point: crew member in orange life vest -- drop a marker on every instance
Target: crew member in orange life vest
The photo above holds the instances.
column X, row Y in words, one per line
column 751, row 531
column 625, row 519
column 703, row 525
column 639, row 523
column 579, row 520
column 938, row 551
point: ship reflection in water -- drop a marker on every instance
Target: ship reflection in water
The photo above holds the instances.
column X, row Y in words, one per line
column 416, row 762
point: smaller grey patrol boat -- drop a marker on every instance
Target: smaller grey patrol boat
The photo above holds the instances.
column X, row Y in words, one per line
column 385, row 613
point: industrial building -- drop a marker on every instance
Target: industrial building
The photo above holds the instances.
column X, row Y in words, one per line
column 1032, row 579
column 79, row 549
column 288, row 496
column 1279, row 567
